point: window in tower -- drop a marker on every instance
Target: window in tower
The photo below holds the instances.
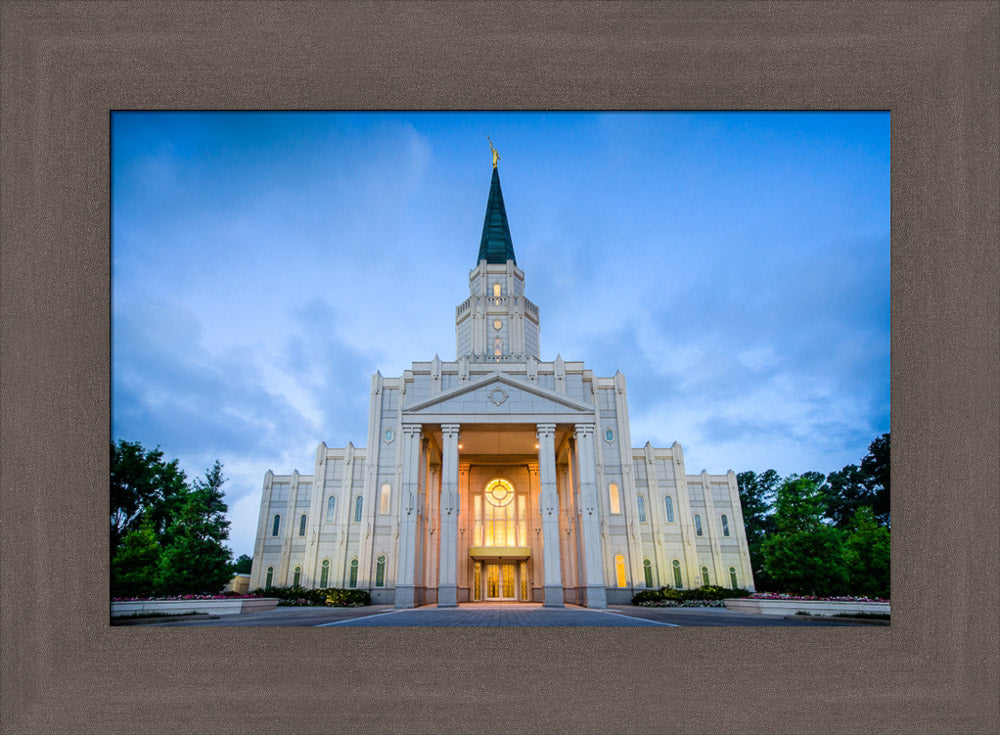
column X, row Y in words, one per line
column 668, row 504
column 725, row 526
column 331, row 506
column 277, row 523
column 497, row 324
column 641, row 503
column 357, row 509
column 384, row 498
column 613, row 499
column 496, row 290
column 496, row 347
column 697, row 524
column 302, row 525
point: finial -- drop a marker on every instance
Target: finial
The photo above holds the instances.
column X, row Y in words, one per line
column 496, row 156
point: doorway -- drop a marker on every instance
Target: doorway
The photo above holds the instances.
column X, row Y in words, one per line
column 500, row 581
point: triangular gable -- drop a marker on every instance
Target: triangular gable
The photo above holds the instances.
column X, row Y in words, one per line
column 497, row 395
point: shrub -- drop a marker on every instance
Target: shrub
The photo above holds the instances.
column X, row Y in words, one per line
column 328, row 596
column 664, row 595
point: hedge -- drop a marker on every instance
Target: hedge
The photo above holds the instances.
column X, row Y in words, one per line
column 330, row 596
column 668, row 594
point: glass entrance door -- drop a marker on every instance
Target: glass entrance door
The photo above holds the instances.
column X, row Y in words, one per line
column 500, row 581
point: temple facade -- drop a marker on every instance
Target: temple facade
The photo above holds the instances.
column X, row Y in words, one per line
column 499, row 476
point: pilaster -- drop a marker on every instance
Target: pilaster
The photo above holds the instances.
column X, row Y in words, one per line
column 410, row 486
column 549, row 507
column 589, row 518
column 448, row 574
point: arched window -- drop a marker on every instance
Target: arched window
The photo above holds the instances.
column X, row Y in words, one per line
column 270, row 577
column 357, row 509
column 324, row 573
column 380, row 571
column 496, row 290
column 704, row 576
column 725, row 526
column 647, row 571
column 302, row 525
column 620, row 569
column 697, row 524
column 641, row 502
column 331, row 506
column 613, row 499
column 678, row 582
column 668, row 503
column 297, row 577
column 384, row 497
column 275, row 525
column 499, row 515
column 732, row 577
column 352, row 582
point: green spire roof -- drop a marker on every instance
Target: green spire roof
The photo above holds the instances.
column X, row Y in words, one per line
column 496, row 245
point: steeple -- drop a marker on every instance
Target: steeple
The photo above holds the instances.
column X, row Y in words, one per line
column 496, row 246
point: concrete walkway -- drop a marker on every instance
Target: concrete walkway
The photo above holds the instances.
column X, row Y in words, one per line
column 491, row 615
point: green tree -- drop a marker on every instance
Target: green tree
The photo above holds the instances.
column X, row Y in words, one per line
column 136, row 562
column 143, row 485
column 243, row 564
column 875, row 466
column 194, row 559
column 757, row 494
column 846, row 490
column 867, row 555
column 803, row 555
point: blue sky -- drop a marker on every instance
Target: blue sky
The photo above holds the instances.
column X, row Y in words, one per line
column 734, row 266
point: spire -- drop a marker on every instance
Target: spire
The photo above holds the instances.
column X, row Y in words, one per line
column 496, row 245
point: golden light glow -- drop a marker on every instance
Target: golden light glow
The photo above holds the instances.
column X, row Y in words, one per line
column 620, row 569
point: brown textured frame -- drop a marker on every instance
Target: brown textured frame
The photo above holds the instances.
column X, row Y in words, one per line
column 65, row 65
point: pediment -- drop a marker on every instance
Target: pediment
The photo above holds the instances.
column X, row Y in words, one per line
column 499, row 395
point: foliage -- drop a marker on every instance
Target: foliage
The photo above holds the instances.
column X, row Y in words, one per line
column 856, row 487
column 867, row 555
column 135, row 563
column 328, row 596
column 803, row 554
column 243, row 564
column 143, row 485
column 757, row 494
column 703, row 593
column 875, row 465
column 194, row 558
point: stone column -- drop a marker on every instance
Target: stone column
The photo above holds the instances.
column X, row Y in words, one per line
column 406, row 548
column 590, row 527
column 549, row 506
column 448, row 553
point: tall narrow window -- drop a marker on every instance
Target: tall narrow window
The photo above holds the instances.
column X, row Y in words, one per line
column 297, row 577
column 620, row 569
column 270, row 578
column 331, row 506
column 704, row 576
column 668, row 503
column 641, row 502
column 352, row 581
column 725, row 526
column 647, row 572
column 697, row 524
column 496, row 290
column 613, row 499
column 275, row 525
column 302, row 525
column 357, row 509
column 678, row 582
column 380, row 571
column 732, row 577
column 384, row 498
column 324, row 573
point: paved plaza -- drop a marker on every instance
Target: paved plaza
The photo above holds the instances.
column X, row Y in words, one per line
column 492, row 615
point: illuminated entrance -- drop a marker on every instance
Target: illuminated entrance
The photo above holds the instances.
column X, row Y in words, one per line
column 500, row 550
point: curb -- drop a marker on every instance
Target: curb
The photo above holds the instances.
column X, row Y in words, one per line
column 832, row 619
column 121, row 620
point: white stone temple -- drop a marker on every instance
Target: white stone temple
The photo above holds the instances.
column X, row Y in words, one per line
column 499, row 476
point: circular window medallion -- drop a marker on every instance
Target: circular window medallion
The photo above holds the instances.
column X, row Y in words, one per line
column 609, row 435
column 497, row 324
column 389, row 435
column 498, row 396
column 499, row 493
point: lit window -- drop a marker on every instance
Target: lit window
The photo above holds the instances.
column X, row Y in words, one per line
column 496, row 347
column 270, row 577
column 497, row 324
column 641, row 502
column 647, row 572
column 502, row 515
column 380, row 571
column 324, row 574
column 725, row 526
column 678, row 582
column 613, row 499
column 668, row 502
column 331, row 506
column 352, row 582
column 732, row 577
column 697, row 524
column 620, row 569
column 275, row 525
column 383, row 502
column 357, row 509
column 496, row 290
column 302, row 525
column 297, row 577
column 704, row 576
